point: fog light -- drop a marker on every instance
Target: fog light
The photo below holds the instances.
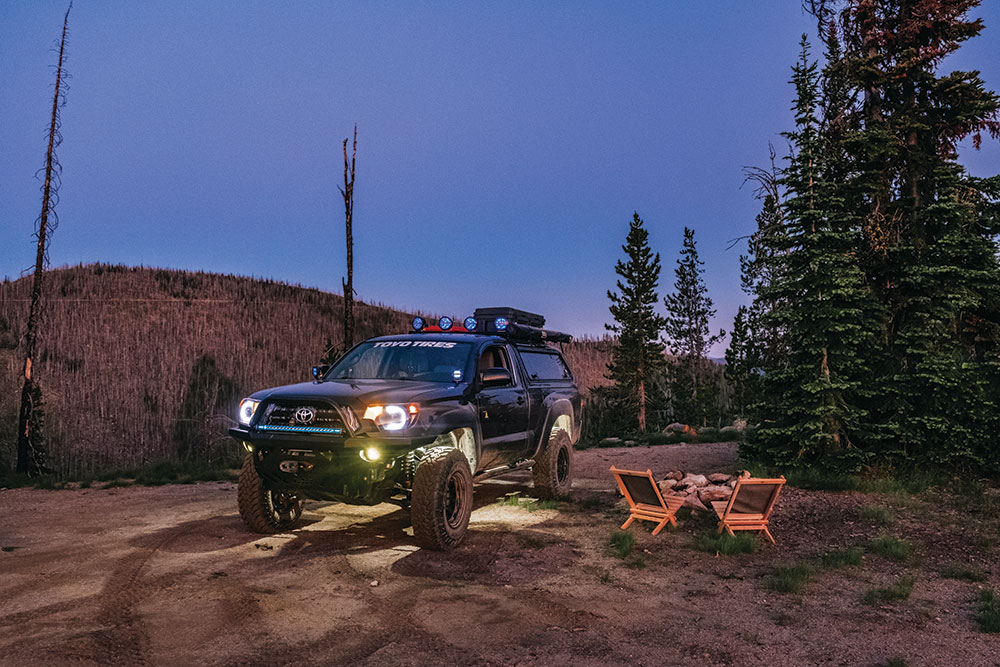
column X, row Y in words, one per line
column 370, row 454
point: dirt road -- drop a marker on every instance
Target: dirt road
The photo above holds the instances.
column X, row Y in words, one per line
column 168, row 575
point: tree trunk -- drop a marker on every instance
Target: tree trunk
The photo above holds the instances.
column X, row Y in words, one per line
column 348, row 192
column 30, row 454
column 642, row 406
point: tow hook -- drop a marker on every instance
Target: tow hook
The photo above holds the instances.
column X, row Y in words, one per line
column 293, row 467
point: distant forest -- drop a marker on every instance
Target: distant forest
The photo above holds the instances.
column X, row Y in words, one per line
column 143, row 364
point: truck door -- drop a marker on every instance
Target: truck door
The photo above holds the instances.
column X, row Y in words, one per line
column 503, row 411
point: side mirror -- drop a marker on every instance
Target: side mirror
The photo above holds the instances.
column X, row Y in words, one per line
column 496, row 377
column 320, row 371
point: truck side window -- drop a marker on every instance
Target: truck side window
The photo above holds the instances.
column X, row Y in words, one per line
column 496, row 357
column 542, row 366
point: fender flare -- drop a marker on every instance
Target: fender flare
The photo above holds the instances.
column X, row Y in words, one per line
column 561, row 411
column 461, row 418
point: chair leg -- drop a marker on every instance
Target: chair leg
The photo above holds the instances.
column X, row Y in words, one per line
column 722, row 527
column 659, row 526
column 769, row 535
column 628, row 523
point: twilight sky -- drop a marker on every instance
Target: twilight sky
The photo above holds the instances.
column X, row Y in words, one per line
column 502, row 147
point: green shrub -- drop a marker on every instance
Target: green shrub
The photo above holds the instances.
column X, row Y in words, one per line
column 875, row 514
column 709, row 434
column 898, row 591
column 896, row 661
column 789, row 578
column 988, row 611
column 726, row 544
column 622, row 542
column 962, row 571
column 892, row 548
column 839, row 558
column 729, row 434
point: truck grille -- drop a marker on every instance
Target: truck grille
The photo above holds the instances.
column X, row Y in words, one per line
column 301, row 418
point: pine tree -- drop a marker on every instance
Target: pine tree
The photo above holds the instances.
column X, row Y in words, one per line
column 742, row 365
column 821, row 303
column 689, row 310
column 638, row 356
column 932, row 260
column 764, row 348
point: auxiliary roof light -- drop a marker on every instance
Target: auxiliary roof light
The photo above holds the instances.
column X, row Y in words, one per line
column 500, row 323
column 445, row 323
column 418, row 323
column 470, row 324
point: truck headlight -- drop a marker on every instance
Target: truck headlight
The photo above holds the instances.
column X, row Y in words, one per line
column 392, row 417
column 248, row 406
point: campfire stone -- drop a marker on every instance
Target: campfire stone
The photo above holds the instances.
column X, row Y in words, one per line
column 695, row 480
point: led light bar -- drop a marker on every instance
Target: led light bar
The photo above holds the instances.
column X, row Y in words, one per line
column 299, row 429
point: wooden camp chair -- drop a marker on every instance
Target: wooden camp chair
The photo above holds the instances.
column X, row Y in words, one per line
column 644, row 499
column 749, row 508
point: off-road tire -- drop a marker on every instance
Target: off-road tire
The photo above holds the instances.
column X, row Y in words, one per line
column 552, row 474
column 263, row 510
column 441, row 503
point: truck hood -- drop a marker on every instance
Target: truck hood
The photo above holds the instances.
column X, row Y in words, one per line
column 359, row 393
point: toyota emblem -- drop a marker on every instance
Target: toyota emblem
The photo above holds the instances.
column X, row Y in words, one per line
column 305, row 415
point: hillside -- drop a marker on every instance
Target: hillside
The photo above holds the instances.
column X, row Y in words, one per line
column 139, row 364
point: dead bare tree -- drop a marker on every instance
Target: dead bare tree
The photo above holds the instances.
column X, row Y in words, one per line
column 348, row 193
column 30, row 450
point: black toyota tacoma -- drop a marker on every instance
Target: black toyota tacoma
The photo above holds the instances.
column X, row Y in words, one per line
column 415, row 419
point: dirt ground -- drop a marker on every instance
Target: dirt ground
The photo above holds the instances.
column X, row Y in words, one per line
column 168, row 575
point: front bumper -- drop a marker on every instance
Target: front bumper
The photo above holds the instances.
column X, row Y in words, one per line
column 324, row 467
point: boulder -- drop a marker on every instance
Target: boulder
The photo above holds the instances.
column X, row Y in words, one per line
column 731, row 483
column 695, row 480
column 718, row 478
column 675, row 475
column 667, row 484
column 745, row 474
column 610, row 442
column 712, row 493
column 677, row 427
column 694, row 503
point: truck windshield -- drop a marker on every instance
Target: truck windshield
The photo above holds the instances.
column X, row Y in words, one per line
column 424, row 360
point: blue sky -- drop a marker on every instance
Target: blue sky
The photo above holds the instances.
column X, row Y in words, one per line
column 502, row 147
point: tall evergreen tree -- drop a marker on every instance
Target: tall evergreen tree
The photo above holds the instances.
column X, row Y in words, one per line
column 821, row 303
column 689, row 310
column 762, row 349
column 742, row 365
column 932, row 260
column 638, row 357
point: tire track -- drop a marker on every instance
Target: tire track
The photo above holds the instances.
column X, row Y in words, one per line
column 122, row 639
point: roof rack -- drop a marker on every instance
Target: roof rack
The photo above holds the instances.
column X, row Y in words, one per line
column 511, row 323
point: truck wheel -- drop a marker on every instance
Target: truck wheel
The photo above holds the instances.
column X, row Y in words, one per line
column 552, row 474
column 263, row 510
column 442, row 499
